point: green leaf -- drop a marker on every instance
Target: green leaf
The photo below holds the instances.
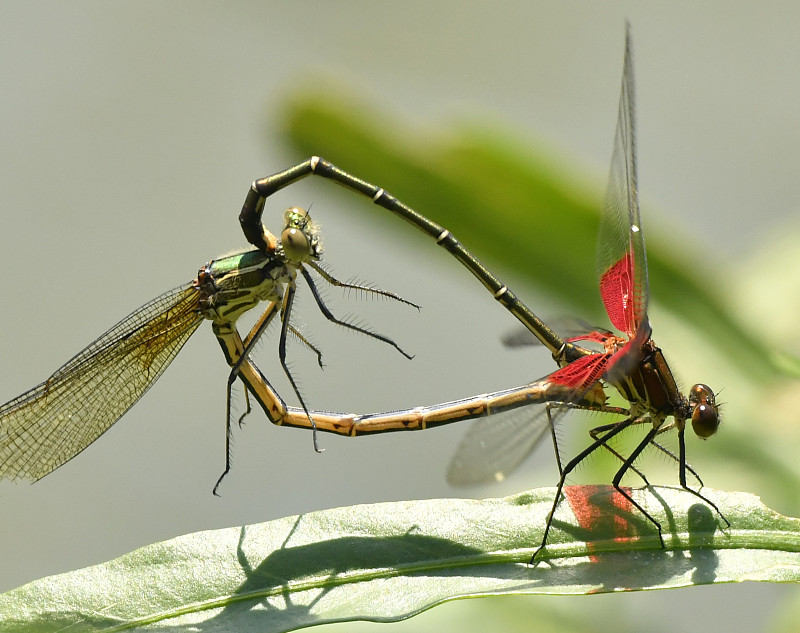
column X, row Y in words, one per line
column 522, row 207
column 515, row 206
column 390, row 561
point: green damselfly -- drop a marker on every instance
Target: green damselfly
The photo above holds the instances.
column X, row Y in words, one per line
column 630, row 362
column 54, row 421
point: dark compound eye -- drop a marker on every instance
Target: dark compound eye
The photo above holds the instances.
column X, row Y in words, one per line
column 705, row 420
column 705, row 415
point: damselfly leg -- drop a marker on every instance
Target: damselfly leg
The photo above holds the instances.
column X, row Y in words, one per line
column 629, row 362
column 50, row 424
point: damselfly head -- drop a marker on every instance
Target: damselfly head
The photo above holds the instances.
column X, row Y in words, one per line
column 300, row 236
column 705, row 412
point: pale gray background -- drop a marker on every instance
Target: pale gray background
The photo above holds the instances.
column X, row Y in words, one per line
column 131, row 131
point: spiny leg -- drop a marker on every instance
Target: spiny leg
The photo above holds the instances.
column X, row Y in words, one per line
column 247, row 409
column 628, row 465
column 330, row 316
column 252, row 338
column 302, row 338
column 288, row 301
column 596, row 431
column 286, row 314
column 264, row 321
column 682, row 477
column 672, row 455
column 333, row 281
column 245, row 347
column 233, row 348
column 552, row 426
column 561, row 407
column 571, row 465
column 661, row 430
column 237, row 352
column 299, row 335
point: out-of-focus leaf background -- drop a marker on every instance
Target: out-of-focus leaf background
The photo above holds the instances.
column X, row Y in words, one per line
column 131, row 132
column 497, row 194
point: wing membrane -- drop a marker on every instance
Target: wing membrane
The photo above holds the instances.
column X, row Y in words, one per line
column 494, row 446
column 54, row 421
column 621, row 257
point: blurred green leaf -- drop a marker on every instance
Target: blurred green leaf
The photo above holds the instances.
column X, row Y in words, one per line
column 513, row 207
column 520, row 207
column 391, row 561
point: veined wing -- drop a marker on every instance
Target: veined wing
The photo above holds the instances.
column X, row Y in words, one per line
column 621, row 256
column 51, row 423
column 495, row 445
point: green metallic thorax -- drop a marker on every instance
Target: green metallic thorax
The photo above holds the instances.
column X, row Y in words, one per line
column 232, row 285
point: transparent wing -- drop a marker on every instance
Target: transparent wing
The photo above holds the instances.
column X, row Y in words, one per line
column 495, row 445
column 51, row 423
column 567, row 327
column 621, row 257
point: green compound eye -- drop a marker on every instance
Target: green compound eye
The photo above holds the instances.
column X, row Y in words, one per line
column 295, row 217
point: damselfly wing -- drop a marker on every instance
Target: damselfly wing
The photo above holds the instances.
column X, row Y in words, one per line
column 630, row 361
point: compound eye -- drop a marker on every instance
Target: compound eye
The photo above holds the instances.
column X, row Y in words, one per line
column 701, row 394
column 295, row 244
column 705, row 420
column 295, row 216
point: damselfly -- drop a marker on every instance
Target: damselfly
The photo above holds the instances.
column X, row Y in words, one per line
column 53, row 422
column 631, row 363
column 50, row 424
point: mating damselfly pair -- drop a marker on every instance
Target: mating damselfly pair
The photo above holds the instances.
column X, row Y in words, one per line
column 56, row 420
